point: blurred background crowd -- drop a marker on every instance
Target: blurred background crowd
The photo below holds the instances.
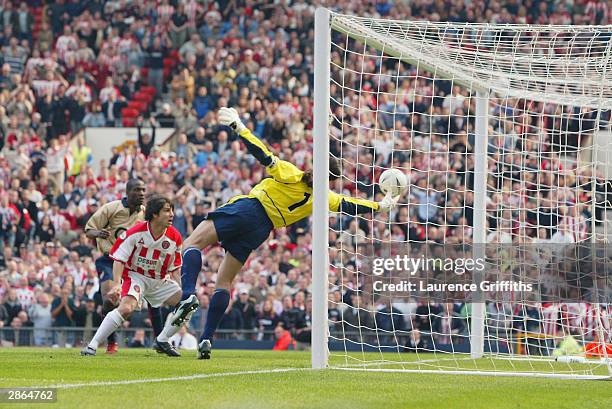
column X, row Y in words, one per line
column 69, row 64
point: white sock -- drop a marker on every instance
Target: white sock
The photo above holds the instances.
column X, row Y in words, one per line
column 168, row 331
column 111, row 322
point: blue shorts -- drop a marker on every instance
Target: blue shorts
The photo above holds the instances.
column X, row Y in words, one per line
column 104, row 267
column 241, row 226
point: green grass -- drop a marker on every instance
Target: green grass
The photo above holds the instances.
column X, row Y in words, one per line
column 295, row 389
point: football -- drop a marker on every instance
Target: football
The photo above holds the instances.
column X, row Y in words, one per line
column 394, row 181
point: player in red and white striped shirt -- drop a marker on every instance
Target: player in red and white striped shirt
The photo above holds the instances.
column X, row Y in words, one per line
column 145, row 257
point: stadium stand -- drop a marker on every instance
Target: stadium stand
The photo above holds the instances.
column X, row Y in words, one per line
column 69, row 64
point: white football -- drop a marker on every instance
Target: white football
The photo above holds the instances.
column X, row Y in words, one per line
column 394, row 181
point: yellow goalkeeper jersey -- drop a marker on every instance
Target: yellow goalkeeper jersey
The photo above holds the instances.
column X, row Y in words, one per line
column 285, row 198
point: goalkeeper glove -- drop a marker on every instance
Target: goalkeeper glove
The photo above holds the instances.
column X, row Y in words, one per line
column 230, row 117
column 388, row 203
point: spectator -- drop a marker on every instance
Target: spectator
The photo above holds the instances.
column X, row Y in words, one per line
column 45, row 232
column 165, row 119
column 203, row 103
column 183, row 86
column 198, row 320
column 283, row 339
column 56, row 167
column 40, row 314
column 247, row 309
column 62, row 312
column 15, row 56
column 206, row 155
column 416, row 343
column 146, row 141
column 95, row 118
column 292, row 318
column 231, row 321
column 12, row 305
column 108, row 89
column 184, row 340
column 260, row 292
column 66, row 235
column 267, row 320
column 112, row 109
column 19, row 335
column 156, row 54
column 86, row 316
column 139, row 340
column 178, row 26
column 4, row 314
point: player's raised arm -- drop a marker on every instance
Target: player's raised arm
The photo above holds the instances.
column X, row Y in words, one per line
column 281, row 170
column 353, row 205
column 229, row 117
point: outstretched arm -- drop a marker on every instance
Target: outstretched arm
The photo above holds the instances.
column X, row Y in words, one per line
column 230, row 117
column 352, row 205
column 257, row 148
column 280, row 170
column 287, row 172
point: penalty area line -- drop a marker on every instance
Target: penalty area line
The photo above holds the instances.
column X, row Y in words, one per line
column 174, row 378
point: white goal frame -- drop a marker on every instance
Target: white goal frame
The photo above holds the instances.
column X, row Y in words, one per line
column 320, row 214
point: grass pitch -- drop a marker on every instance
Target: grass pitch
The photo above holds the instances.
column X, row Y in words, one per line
column 243, row 379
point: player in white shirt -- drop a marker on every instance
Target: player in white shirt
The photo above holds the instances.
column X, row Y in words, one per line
column 145, row 257
column 184, row 340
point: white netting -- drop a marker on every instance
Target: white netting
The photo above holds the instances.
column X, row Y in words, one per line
column 403, row 95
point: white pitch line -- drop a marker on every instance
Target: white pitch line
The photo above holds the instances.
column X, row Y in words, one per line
column 482, row 373
column 171, row 379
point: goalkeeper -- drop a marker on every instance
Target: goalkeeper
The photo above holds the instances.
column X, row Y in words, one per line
column 245, row 222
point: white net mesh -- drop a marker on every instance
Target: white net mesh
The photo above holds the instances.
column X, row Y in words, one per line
column 403, row 96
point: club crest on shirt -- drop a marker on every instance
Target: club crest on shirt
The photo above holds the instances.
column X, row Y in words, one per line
column 165, row 244
column 137, row 288
column 141, row 241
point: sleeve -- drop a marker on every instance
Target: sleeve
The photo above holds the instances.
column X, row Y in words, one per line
column 350, row 205
column 280, row 170
column 177, row 258
column 122, row 249
column 257, row 148
column 99, row 220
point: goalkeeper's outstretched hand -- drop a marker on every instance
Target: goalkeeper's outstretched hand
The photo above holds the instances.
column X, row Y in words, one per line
column 388, row 203
column 230, row 117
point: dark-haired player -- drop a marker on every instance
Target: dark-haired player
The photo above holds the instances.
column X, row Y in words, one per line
column 105, row 225
column 144, row 259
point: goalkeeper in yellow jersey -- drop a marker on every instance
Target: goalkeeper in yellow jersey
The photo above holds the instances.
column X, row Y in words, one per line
column 245, row 222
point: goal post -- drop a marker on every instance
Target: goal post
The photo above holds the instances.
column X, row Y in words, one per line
column 480, row 228
column 320, row 223
column 503, row 132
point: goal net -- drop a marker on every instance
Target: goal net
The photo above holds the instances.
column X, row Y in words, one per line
column 495, row 260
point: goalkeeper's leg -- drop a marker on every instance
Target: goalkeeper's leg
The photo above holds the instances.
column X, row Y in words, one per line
column 203, row 236
column 219, row 302
column 192, row 265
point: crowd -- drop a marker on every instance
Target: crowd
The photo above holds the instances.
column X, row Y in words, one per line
column 70, row 64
